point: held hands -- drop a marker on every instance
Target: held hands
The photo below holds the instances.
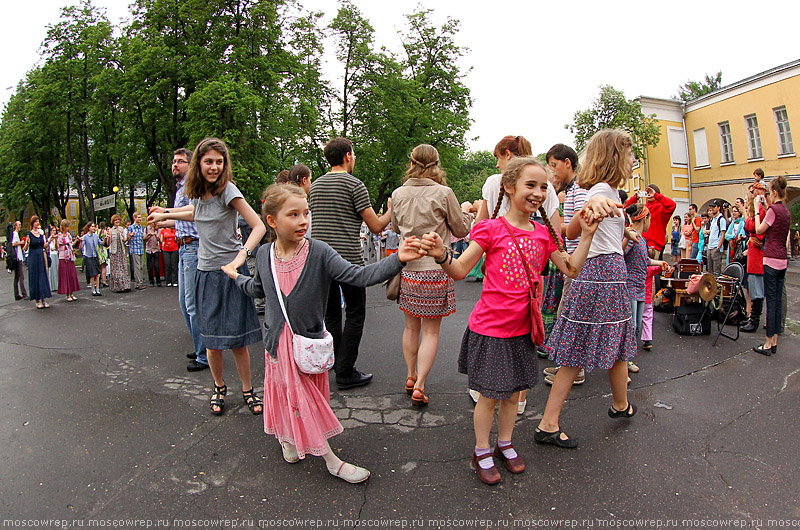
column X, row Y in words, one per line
column 664, row 266
column 432, row 245
column 230, row 270
column 588, row 226
column 409, row 250
column 600, row 208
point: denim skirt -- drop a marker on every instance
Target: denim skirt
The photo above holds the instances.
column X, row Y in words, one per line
column 226, row 316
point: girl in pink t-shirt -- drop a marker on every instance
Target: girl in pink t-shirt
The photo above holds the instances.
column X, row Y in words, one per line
column 497, row 352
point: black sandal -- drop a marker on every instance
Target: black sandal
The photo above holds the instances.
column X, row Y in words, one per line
column 627, row 413
column 253, row 401
column 544, row 437
column 218, row 399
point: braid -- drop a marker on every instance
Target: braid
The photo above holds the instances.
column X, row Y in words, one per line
column 555, row 238
column 499, row 202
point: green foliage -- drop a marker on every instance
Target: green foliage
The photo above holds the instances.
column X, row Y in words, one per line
column 613, row 111
column 694, row 89
column 476, row 166
column 108, row 105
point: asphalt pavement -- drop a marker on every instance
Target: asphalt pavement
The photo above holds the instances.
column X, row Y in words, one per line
column 102, row 426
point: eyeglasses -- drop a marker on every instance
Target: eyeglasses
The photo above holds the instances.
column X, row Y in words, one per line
column 179, row 162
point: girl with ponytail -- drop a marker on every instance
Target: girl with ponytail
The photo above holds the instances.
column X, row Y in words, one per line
column 497, row 352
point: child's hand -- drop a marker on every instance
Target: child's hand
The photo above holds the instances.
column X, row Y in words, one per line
column 588, row 226
column 664, row 266
column 409, row 250
column 230, row 270
column 600, row 207
column 432, row 245
column 155, row 217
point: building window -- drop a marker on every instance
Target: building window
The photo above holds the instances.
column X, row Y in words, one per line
column 753, row 136
column 636, row 183
column 784, row 133
column 700, row 148
column 677, row 147
column 725, row 142
column 72, row 209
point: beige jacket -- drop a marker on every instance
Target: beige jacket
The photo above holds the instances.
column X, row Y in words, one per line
column 420, row 206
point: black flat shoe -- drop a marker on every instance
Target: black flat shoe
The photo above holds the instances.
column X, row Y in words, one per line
column 544, row 437
column 357, row 379
column 627, row 413
column 195, row 366
column 765, row 351
column 191, row 356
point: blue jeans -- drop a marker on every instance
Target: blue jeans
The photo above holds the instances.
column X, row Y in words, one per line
column 187, row 273
column 637, row 313
column 695, row 248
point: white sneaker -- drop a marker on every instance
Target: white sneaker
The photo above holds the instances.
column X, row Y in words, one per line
column 359, row 474
column 289, row 453
column 474, row 394
column 521, row 407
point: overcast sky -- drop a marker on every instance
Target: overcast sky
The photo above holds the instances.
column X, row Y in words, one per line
column 533, row 63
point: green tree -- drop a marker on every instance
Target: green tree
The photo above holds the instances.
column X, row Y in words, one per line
column 612, row 110
column 417, row 96
column 694, row 89
column 475, row 167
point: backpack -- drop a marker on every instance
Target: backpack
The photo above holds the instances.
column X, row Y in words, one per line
column 719, row 230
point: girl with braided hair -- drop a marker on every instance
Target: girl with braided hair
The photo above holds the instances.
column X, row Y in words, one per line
column 497, row 352
column 425, row 204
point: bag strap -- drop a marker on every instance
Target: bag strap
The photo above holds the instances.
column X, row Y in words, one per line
column 522, row 257
column 277, row 287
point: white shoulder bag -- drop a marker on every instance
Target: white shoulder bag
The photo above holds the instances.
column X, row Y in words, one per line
column 312, row 356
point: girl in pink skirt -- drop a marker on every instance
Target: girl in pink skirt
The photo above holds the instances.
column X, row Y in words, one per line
column 296, row 405
column 67, row 275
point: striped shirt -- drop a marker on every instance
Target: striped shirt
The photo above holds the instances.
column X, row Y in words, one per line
column 574, row 197
column 183, row 228
column 336, row 201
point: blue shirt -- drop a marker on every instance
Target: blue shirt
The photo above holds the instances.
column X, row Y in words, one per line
column 636, row 261
column 183, row 228
column 136, row 243
column 90, row 244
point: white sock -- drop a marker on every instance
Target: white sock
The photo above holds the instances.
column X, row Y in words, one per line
column 506, row 448
column 486, row 463
column 334, row 463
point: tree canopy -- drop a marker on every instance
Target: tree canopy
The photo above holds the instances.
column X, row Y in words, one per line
column 612, row 110
column 106, row 106
column 694, row 89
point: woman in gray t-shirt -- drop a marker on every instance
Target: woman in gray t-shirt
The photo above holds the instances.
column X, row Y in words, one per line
column 226, row 316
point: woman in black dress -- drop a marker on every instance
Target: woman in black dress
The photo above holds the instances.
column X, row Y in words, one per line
column 38, row 282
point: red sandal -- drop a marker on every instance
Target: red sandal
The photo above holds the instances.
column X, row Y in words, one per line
column 418, row 398
column 410, row 381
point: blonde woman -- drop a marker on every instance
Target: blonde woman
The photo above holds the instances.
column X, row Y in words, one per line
column 115, row 240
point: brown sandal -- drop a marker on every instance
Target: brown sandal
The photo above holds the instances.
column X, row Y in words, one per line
column 418, row 398
column 410, row 381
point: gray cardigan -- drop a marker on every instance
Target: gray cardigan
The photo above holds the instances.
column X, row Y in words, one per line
column 307, row 302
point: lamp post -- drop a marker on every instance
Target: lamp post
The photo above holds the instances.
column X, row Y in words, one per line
column 115, row 189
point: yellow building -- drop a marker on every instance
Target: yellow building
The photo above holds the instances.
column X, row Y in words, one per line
column 729, row 133
column 667, row 164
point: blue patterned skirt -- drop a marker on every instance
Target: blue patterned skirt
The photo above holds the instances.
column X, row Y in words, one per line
column 596, row 329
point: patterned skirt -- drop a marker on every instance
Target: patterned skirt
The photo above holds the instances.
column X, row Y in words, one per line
column 120, row 276
column 596, row 328
column 498, row 367
column 427, row 294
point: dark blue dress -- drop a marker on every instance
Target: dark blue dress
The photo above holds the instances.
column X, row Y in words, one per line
column 38, row 282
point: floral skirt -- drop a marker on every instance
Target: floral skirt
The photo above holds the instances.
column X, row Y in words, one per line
column 596, row 328
column 120, row 275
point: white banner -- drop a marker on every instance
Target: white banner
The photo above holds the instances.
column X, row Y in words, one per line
column 104, row 203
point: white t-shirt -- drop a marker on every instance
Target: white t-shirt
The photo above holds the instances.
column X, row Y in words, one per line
column 608, row 238
column 491, row 190
column 18, row 249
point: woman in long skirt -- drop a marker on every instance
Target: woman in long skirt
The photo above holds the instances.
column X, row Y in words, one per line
column 120, row 281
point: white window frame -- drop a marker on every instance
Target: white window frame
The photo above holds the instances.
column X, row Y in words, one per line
column 753, row 138
column 677, row 185
column 72, row 212
column 677, row 153
column 635, row 183
column 700, row 149
column 725, row 144
column 785, row 144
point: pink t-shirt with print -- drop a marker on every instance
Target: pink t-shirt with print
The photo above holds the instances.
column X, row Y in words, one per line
column 503, row 308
